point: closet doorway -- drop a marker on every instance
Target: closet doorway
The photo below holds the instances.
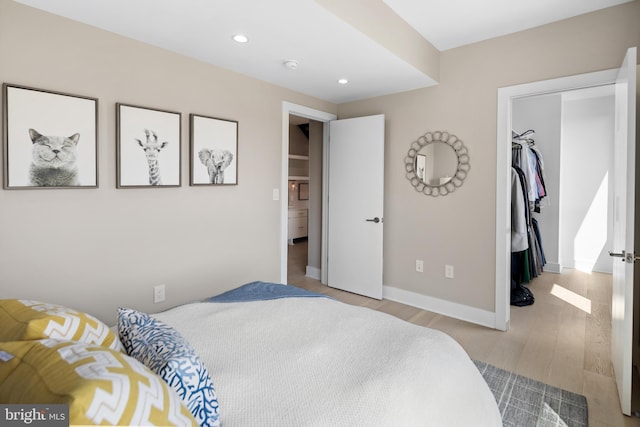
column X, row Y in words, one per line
column 506, row 98
column 572, row 132
column 568, row 326
column 623, row 339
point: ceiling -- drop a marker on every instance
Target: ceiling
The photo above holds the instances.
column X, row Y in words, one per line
column 325, row 46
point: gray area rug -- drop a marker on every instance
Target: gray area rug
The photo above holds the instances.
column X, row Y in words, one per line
column 525, row 402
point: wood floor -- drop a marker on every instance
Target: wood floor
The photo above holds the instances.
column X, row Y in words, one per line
column 563, row 341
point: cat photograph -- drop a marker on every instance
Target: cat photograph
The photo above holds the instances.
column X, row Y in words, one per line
column 51, row 139
column 53, row 160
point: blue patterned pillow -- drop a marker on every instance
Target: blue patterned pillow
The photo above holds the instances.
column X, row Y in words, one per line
column 162, row 349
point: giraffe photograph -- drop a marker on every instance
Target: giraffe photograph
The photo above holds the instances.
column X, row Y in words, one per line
column 51, row 139
column 148, row 147
column 213, row 151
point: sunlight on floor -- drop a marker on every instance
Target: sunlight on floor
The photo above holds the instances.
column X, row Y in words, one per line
column 572, row 298
column 592, row 235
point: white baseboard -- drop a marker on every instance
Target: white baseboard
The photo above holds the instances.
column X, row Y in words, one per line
column 436, row 305
column 552, row 267
column 313, row 272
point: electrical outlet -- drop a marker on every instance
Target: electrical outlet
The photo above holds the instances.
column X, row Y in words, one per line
column 448, row 271
column 159, row 293
column 419, row 265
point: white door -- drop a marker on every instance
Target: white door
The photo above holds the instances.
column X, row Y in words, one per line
column 624, row 216
column 355, row 206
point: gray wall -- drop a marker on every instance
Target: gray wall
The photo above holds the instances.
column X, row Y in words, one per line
column 97, row 249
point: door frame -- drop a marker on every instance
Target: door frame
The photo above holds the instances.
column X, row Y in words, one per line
column 320, row 116
column 506, row 96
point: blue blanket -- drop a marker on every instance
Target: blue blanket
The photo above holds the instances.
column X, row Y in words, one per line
column 260, row 291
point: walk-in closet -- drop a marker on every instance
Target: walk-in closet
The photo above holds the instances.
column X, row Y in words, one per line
column 562, row 198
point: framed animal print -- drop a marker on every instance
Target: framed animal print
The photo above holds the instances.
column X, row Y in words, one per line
column 50, row 139
column 213, row 151
column 148, row 147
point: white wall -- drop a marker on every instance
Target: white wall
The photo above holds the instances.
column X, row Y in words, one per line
column 587, row 181
column 543, row 114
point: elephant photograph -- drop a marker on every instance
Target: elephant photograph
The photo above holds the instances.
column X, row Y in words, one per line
column 216, row 161
column 214, row 151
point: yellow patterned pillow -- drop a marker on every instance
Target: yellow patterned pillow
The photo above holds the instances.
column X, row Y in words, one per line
column 101, row 386
column 34, row 320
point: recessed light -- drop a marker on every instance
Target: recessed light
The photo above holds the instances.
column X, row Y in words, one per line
column 241, row 38
column 343, row 81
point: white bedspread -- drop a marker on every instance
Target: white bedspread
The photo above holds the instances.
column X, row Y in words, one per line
column 318, row 362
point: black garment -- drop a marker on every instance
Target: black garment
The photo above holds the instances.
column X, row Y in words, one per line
column 521, row 296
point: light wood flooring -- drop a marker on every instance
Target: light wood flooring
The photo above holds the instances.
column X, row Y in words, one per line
column 551, row 341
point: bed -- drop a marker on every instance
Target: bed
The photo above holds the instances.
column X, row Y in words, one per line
column 294, row 359
column 281, row 356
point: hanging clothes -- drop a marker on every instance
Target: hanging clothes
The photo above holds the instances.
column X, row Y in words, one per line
column 541, row 186
column 529, row 159
column 519, row 231
column 528, row 189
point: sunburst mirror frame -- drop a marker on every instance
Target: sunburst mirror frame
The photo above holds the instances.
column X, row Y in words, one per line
column 456, row 180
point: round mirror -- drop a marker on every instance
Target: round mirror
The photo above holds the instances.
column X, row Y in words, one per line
column 437, row 163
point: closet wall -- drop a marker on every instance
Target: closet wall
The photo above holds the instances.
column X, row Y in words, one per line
column 587, row 179
column 574, row 132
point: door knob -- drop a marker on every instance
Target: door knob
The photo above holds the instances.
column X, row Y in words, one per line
column 376, row 220
column 618, row 255
column 629, row 257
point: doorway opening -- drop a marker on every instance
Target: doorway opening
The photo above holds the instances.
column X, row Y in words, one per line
column 506, row 98
column 304, row 198
column 624, row 79
column 569, row 136
column 318, row 140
